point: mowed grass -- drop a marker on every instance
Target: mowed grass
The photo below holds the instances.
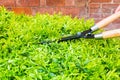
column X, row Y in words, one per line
column 22, row 58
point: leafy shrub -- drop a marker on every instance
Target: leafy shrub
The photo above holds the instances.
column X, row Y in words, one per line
column 22, row 58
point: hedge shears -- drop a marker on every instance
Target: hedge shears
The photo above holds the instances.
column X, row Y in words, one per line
column 89, row 33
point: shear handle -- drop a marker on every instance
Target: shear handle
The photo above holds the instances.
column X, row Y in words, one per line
column 103, row 23
column 108, row 34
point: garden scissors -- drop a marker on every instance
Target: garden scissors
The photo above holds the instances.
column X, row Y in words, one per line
column 89, row 33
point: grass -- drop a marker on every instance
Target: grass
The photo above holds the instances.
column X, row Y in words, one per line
column 82, row 59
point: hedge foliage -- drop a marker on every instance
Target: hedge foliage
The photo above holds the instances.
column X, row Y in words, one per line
column 22, row 58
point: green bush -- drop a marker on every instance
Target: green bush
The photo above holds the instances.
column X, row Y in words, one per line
column 21, row 58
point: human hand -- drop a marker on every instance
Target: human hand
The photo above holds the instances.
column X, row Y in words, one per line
column 118, row 9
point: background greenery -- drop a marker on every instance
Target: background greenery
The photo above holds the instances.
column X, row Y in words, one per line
column 21, row 58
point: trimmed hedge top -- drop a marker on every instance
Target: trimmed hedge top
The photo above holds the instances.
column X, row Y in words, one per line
column 22, row 58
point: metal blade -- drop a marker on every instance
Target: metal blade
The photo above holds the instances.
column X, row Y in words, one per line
column 76, row 36
column 71, row 37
